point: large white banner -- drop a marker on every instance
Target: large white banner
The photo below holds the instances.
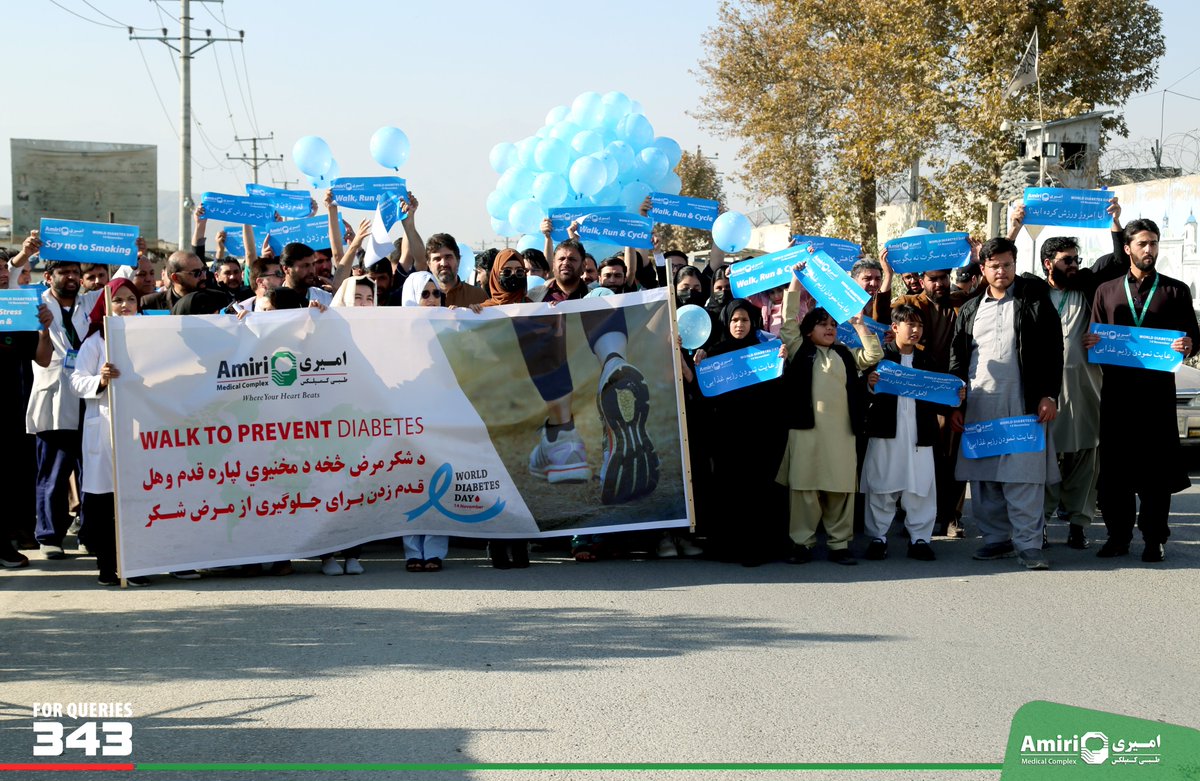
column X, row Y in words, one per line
column 300, row 433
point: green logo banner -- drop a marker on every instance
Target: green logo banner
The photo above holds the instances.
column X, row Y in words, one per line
column 1060, row 742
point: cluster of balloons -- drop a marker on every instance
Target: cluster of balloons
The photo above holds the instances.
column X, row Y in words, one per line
column 314, row 158
column 599, row 151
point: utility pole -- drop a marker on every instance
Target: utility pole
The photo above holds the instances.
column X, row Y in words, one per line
column 186, row 52
column 285, row 182
column 254, row 160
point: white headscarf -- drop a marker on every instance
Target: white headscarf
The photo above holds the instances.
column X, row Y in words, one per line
column 411, row 294
column 345, row 293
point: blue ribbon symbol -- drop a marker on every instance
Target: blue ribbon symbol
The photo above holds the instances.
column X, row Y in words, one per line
column 438, row 487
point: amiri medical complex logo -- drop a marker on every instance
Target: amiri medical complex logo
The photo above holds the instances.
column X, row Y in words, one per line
column 1090, row 748
column 282, row 368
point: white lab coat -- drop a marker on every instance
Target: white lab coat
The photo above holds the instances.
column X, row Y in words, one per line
column 97, row 434
column 52, row 406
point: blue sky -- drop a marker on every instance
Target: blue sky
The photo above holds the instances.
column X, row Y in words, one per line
column 457, row 77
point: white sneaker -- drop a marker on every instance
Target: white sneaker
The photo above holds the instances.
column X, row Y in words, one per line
column 53, row 551
column 331, row 567
column 353, row 567
column 629, row 468
column 666, row 547
column 688, row 547
column 562, row 461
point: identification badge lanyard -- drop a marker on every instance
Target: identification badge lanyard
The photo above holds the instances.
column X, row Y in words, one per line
column 1137, row 319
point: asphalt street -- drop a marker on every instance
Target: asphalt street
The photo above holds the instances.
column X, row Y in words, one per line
column 677, row 661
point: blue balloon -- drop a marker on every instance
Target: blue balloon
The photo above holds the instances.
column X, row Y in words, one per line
column 652, row 164
column 498, row 203
column 671, row 184
column 390, row 147
column 531, row 241
column 588, row 176
column 599, row 292
column 526, row 148
column 616, row 106
column 503, row 228
column 312, row 156
column 610, row 195
column 564, row 131
column 695, row 326
column 917, row 231
column 588, row 110
column 636, row 131
column 633, row 194
column 635, row 107
column 552, row 155
column 503, row 156
column 466, row 266
column 556, row 115
column 611, row 169
column 731, row 231
column 526, row 216
column 533, row 283
column 624, row 155
column 549, row 189
column 587, row 142
column 516, row 182
column 325, row 180
column 670, row 148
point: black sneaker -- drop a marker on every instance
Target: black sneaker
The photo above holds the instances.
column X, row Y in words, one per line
column 921, row 550
column 843, row 556
column 138, row 581
column 1154, row 552
column 801, row 554
column 1111, row 549
column 629, row 466
column 11, row 558
column 876, row 551
column 1077, row 538
column 108, row 579
column 995, row 550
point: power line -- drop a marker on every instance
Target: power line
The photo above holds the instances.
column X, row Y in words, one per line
column 118, row 21
column 86, row 19
column 162, row 11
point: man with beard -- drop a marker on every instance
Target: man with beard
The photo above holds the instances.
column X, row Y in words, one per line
column 912, row 283
column 441, row 253
column 629, row 465
column 612, row 274
column 299, row 264
column 92, row 276
column 186, row 273
column 938, row 304
column 228, row 275
column 1140, row 458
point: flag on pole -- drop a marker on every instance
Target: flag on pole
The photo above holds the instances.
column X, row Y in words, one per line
column 1027, row 69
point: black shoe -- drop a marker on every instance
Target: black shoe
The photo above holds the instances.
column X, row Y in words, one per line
column 138, row 581
column 801, row 554
column 843, row 556
column 940, row 528
column 498, row 553
column 876, row 551
column 1154, row 552
column 108, row 579
column 1076, row 538
column 10, row 558
column 1111, row 549
column 921, row 551
column 520, row 553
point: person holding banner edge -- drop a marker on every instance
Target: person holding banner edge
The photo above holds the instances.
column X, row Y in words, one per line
column 1007, row 348
column 1137, row 409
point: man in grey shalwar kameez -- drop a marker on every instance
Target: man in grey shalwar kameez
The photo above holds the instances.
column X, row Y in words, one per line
column 1007, row 347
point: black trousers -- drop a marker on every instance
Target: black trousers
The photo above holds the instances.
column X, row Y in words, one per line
column 1120, row 507
column 99, row 531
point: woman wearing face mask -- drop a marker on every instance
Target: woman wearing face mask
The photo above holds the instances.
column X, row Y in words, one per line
column 506, row 281
column 747, row 444
column 90, row 381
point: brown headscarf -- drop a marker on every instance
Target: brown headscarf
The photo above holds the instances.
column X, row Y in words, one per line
column 100, row 308
column 500, row 296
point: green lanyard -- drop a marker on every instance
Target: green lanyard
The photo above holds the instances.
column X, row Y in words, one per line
column 1062, row 304
column 1137, row 319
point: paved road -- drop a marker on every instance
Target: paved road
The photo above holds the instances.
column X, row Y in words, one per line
column 621, row 661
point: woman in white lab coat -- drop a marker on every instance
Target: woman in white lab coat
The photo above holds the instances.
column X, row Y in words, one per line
column 90, row 382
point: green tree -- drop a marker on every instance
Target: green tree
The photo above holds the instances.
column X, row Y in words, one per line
column 700, row 180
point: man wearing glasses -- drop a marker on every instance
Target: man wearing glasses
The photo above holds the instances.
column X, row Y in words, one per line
column 187, row 274
column 1007, row 347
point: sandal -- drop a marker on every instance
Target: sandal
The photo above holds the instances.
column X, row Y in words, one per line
column 433, row 565
column 585, row 548
column 414, row 565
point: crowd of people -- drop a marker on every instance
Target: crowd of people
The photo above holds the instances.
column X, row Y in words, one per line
column 817, row 450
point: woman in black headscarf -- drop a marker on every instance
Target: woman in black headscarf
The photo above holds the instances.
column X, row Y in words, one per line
column 746, row 436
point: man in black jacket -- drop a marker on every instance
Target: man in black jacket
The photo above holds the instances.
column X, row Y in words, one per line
column 1007, row 347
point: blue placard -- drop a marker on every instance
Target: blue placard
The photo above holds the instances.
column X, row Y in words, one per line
column 155, row 312
column 933, row 226
column 88, row 242
column 740, row 369
column 683, row 210
column 561, row 218
column 623, row 230
column 919, row 384
column 1003, row 436
column 1067, row 208
column 928, row 252
column 832, row 287
column 846, row 253
column 389, row 210
column 289, row 203
column 314, row 232
column 849, row 337
column 364, row 192
column 18, row 310
column 755, row 275
column 240, row 209
column 234, row 244
column 1141, row 348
